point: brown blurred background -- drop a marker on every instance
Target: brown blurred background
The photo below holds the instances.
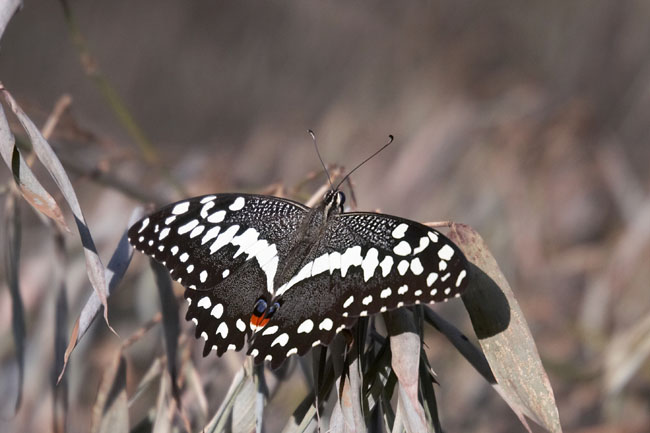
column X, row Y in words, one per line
column 528, row 121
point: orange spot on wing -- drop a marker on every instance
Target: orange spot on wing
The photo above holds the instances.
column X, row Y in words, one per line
column 259, row 322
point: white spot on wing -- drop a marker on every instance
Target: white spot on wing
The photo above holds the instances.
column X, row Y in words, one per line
column 240, row 325
column 217, row 311
column 326, row 324
column 335, row 261
column 370, row 263
column 187, row 226
column 281, row 339
column 402, row 249
column 348, row 302
column 245, row 240
column 460, row 278
column 204, row 302
column 217, row 217
column 238, row 204
column 292, row 351
column 225, row 273
column 431, row 278
column 385, row 293
column 144, row 225
column 197, row 231
column 424, row 242
column 189, row 269
column 210, row 234
column 386, row 265
column 183, row 258
column 208, row 198
column 306, row 327
column 367, row 300
column 402, row 290
column 351, row 257
column 267, row 258
column 203, row 276
column 206, row 207
column 163, row 233
column 224, row 238
column 181, row 208
column 170, row 219
column 433, row 236
column 402, row 267
column 270, row 330
column 446, row 252
column 223, row 330
column 321, row 264
column 400, row 231
column 416, row 266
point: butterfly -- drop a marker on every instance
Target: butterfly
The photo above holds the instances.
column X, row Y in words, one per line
column 286, row 277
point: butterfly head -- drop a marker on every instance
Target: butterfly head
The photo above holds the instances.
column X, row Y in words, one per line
column 334, row 200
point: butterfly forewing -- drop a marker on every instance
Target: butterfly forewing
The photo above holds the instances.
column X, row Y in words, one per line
column 365, row 263
column 225, row 249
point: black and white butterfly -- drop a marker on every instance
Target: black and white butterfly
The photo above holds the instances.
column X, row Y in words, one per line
column 287, row 277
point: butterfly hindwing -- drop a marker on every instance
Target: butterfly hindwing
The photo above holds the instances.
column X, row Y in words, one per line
column 225, row 250
column 364, row 264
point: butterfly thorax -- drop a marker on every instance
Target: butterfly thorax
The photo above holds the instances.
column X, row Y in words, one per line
column 310, row 235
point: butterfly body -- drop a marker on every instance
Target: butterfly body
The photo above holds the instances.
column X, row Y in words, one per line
column 287, row 277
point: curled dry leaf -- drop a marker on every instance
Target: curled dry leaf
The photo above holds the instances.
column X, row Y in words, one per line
column 114, row 272
column 50, row 161
column 405, row 348
column 351, row 416
column 30, row 188
column 504, row 335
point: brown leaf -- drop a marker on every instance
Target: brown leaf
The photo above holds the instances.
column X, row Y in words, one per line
column 504, row 335
column 30, row 188
column 405, row 348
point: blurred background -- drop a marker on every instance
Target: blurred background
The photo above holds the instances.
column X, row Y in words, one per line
column 528, row 121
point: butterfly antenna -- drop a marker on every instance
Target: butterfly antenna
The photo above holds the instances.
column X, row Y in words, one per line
column 313, row 137
column 390, row 141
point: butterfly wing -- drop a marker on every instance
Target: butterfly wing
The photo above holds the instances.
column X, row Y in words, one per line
column 366, row 263
column 225, row 250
